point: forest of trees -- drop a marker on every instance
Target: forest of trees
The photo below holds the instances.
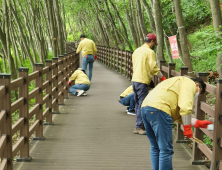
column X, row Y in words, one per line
column 124, row 24
column 33, row 30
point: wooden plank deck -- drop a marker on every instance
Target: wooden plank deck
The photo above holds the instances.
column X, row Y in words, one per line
column 95, row 133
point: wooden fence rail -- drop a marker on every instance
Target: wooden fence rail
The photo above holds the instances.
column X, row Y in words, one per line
column 121, row 61
column 55, row 87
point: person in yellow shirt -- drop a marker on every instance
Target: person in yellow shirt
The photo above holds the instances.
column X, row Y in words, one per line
column 127, row 99
column 88, row 48
column 82, row 83
column 171, row 100
column 144, row 66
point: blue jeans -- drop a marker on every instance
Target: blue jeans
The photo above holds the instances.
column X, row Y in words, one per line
column 140, row 92
column 76, row 87
column 128, row 101
column 88, row 60
column 158, row 126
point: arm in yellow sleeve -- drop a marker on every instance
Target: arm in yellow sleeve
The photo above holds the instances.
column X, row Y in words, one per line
column 74, row 75
column 94, row 48
column 79, row 48
column 154, row 69
column 186, row 95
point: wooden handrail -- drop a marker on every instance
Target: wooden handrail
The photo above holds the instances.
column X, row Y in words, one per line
column 33, row 75
column 3, row 141
column 2, row 91
column 18, row 146
column 16, row 83
column 17, row 104
column 17, row 125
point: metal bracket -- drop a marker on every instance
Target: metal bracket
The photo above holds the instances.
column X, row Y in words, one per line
column 50, row 110
column 40, row 106
column 50, row 83
column 56, row 88
column 220, row 118
column 24, row 101
column 50, row 96
column 24, row 80
column 25, row 139
column 7, row 137
column 40, row 122
column 25, row 120
column 6, row 89
column 218, row 141
column 56, row 77
column 40, row 73
column 40, row 90
column 50, row 69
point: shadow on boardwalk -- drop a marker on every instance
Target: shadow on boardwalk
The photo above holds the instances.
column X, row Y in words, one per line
column 95, row 133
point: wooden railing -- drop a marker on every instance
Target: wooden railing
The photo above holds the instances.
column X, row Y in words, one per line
column 121, row 62
column 55, row 87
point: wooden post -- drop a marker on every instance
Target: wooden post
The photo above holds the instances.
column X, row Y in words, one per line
column 162, row 63
column 7, row 127
column 61, row 67
column 217, row 136
column 24, row 112
column 171, row 67
column 180, row 136
column 121, row 64
column 131, row 65
column 199, row 114
column 48, row 76
column 65, row 74
column 38, row 99
column 55, row 84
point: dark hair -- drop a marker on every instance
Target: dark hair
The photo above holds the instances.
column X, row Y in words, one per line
column 201, row 83
column 147, row 40
column 82, row 36
column 151, row 85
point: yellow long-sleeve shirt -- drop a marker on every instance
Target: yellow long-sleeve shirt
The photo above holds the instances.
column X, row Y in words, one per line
column 80, row 77
column 128, row 91
column 87, row 46
column 173, row 96
column 144, row 64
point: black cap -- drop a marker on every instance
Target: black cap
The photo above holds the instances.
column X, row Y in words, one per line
column 82, row 36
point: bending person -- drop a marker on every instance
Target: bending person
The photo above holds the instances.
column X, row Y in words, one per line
column 171, row 100
column 82, row 83
column 88, row 48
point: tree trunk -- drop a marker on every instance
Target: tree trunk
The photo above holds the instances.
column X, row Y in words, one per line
column 217, row 23
column 141, row 21
column 183, row 37
column 159, row 29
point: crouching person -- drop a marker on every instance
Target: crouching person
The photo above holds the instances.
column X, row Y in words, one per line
column 171, row 100
column 82, row 83
column 127, row 98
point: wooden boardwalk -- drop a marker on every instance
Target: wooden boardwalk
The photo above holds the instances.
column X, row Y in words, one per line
column 95, row 133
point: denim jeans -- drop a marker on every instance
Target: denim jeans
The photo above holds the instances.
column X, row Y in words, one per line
column 76, row 87
column 88, row 59
column 158, row 126
column 140, row 92
column 128, row 101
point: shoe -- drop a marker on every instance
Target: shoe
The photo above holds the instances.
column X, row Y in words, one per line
column 140, row 131
column 132, row 112
column 80, row 92
column 127, row 109
column 84, row 94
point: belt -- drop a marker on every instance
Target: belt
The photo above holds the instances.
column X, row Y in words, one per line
column 89, row 54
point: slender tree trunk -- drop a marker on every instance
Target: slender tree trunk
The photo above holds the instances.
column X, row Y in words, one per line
column 159, row 29
column 217, row 23
column 183, row 36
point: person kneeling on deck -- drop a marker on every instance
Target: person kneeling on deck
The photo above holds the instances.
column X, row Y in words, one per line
column 127, row 99
column 82, row 83
column 171, row 100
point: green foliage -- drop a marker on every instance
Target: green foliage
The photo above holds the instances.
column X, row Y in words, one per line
column 207, row 140
column 205, row 49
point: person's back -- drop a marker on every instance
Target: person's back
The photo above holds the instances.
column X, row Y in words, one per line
column 88, row 48
column 80, row 77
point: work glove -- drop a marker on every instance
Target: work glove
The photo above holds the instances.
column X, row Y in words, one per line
column 69, row 82
column 202, row 124
column 95, row 57
column 187, row 131
column 163, row 78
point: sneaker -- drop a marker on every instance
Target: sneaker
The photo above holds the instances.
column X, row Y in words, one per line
column 132, row 112
column 140, row 131
column 127, row 109
column 84, row 94
column 80, row 92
